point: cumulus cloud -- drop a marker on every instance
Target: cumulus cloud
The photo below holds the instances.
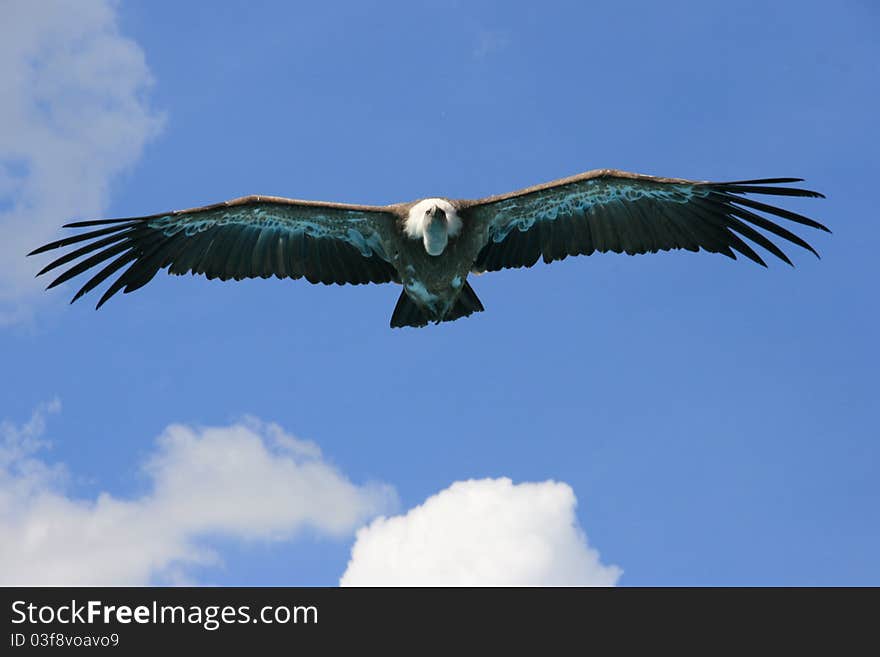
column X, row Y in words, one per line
column 487, row 532
column 73, row 115
column 250, row 480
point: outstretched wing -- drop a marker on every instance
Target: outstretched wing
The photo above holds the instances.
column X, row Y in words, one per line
column 608, row 210
column 249, row 237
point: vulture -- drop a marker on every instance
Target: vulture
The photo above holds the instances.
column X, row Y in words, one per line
column 430, row 246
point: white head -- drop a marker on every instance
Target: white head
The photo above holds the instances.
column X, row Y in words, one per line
column 434, row 220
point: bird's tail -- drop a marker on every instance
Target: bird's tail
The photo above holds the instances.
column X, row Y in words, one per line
column 467, row 304
column 408, row 313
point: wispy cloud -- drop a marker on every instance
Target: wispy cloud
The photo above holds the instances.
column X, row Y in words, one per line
column 487, row 532
column 74, row 115
column 489, row 42
column 250, row 480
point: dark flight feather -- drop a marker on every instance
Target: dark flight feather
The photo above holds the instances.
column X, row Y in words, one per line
column 616, row 211
column 246, row 238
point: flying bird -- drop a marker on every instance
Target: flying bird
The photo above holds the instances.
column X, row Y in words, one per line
column 430, row 246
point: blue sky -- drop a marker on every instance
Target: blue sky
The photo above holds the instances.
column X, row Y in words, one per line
column 715, row 420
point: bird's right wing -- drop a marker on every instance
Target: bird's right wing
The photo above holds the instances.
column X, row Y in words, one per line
column 608, row 210
column 254, row 236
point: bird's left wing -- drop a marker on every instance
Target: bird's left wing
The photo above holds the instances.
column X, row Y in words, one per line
column 248, row 237
column 608, row 210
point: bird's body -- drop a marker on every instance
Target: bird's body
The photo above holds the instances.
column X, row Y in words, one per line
column 434, row 263
column 430, row 246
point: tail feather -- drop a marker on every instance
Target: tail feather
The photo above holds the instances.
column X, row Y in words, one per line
column 408, row 313
column 467, row 304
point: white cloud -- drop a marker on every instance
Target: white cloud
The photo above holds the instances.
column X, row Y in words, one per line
column 490, row 42
column 249, row 480
column 73, row 116
column 486, row 532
